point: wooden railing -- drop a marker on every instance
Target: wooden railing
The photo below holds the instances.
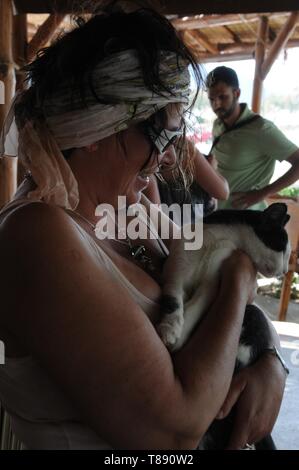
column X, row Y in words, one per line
column 292, row 228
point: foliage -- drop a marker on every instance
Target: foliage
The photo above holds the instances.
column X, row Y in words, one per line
column 276, row 101
column 274, row 289
column 291, row 192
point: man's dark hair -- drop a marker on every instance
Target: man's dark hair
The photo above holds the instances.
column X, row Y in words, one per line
column 222, row 74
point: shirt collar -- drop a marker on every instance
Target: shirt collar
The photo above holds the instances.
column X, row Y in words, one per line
column 219, row 126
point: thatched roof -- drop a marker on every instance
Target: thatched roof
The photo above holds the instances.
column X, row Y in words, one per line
column 231, row 37
column 212, row 37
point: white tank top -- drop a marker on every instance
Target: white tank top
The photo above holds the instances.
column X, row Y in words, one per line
column 41, row 416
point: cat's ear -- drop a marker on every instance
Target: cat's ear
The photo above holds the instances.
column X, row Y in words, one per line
column 277, row 214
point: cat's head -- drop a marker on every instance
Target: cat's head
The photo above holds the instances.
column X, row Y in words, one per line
column 262, row 235
column 270, row 229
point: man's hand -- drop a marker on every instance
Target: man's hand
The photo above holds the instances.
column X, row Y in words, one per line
column 243, row 200
column 256, row 392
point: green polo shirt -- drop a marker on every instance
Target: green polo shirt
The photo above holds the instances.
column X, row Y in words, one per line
column 246, row 156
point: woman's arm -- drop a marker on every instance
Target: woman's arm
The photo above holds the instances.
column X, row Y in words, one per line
column 101, row 349
column 209, row 178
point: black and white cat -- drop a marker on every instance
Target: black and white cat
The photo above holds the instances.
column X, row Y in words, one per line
column 190, row 278
column 190, row 281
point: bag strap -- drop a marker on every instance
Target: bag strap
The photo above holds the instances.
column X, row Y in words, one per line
column 237, row 126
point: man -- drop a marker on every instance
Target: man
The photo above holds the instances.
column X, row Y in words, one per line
column 246, row 145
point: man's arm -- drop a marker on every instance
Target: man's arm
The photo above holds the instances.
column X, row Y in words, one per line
column 290, row 177
column 242, row 200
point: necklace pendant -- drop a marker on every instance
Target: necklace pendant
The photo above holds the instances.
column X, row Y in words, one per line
column 139, row 254
column 137, row 251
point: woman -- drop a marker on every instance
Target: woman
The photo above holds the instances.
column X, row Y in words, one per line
column 85, row 367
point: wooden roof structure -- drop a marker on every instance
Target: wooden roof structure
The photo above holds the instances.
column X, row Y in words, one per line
column 168, row 7
column 212, row 38
column 216, row 38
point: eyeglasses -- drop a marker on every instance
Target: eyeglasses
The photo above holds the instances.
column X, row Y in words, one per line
column 161, row 139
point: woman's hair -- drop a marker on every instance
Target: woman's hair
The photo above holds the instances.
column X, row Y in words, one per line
column 74, row 56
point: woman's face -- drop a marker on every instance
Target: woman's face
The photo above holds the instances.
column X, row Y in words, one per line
column 135, row 158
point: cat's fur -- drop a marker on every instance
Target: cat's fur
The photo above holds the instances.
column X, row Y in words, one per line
column 190, row 281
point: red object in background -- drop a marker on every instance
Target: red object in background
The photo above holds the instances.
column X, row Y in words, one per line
column 206, row 136
column 201, row 136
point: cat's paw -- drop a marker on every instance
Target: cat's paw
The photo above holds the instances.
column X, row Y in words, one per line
column 170, row 330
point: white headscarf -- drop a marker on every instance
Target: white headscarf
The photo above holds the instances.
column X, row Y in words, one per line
column 70, row 125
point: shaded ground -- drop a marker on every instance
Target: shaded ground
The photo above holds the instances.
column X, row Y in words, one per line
column 270, row 306
column 286, row 430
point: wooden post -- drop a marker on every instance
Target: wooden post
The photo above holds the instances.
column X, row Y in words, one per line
column 20, row 42
column 7, row 77
column 20, row 47
column 286, row 292
column 280, row 42
column 260, row 48
column 8, row 178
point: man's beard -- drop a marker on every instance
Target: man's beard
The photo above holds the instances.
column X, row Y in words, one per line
column 224, row 114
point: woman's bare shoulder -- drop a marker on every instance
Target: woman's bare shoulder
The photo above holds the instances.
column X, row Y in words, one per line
column 30, row 217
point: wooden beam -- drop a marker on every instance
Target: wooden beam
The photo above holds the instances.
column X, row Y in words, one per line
column 209, row 21
column 228, row 48
column 280, row 42
column 236, row 48
column 7, row 75
column 187, row 7
column 260, row 49
column 228, row 6
column 203, row 40
column 232, row 53
column 206, row 58
column 271, row 34
column 44, row 34
column 232, row 34
column 189, row 40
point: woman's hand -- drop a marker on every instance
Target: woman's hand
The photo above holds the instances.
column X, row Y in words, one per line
column 256, row 392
